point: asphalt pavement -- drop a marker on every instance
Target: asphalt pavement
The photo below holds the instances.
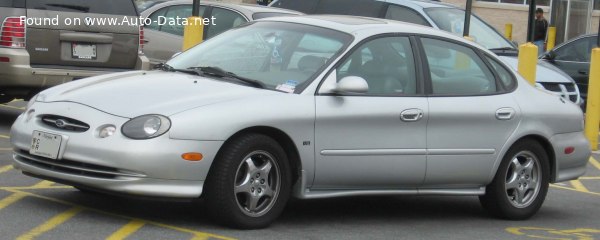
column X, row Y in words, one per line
column 34, row 209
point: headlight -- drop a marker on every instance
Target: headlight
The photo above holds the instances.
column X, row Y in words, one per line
column 146, row 127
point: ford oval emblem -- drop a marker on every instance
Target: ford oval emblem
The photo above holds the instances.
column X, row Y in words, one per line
column 60, row 123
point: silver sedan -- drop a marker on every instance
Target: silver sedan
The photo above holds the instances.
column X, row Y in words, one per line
column 311, row 107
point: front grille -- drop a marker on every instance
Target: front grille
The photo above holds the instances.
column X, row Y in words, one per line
column 73, row 167
column 65, row 123
column 565, row 90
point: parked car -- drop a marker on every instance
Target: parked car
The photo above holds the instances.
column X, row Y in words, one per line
column 226, row 15
column 44, row 54
column 573, row 57
column 445, row 17
column 311, row 106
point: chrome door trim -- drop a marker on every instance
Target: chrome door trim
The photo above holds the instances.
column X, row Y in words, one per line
column 460, row 151
column 372, row 152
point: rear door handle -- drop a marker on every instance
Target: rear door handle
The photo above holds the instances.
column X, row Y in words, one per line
column 505, row 113
column 411, row 115
column 583, row 72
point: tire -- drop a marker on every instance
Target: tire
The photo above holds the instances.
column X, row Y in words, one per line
column 518, row 190
column 241, row 190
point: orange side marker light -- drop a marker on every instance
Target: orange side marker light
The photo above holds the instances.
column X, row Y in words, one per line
column 192, row 156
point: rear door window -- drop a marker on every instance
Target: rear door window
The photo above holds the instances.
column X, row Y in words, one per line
column 224, row 20
column 113, row 7
column 405, row 15
column 457, row 69
column 174, row 12
column 154, row 17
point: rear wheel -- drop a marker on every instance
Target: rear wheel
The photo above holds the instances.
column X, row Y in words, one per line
column 521, row 182
column 249, row 183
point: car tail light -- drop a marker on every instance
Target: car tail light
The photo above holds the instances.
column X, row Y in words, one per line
column 142, row 40
column 13, row 33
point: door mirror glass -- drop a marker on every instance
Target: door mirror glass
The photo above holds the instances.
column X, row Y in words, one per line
column 352, row 84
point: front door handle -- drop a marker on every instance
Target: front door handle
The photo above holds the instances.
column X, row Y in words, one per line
column 411, row 115
column 583, row 72
column 505, row 113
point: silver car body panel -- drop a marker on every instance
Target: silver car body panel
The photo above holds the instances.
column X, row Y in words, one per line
column 329, row 139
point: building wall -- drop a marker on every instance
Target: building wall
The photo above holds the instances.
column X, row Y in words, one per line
column 499, row 14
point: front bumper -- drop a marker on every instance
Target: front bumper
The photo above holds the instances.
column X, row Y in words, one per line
column 152, row 167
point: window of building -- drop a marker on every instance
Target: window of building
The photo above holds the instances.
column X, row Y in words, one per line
column 524, row 2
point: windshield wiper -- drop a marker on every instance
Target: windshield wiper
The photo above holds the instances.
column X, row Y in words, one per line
column 219, row 72
column 503, row 49
column 168, row 68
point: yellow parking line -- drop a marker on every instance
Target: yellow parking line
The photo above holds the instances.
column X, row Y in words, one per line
column 595, row 163
column 199, row 238
column 6, row 168
column 573, row 189
column 579, row 186
column 12, row 107
column 11, row 199
column 4, row 136
column 43, row 184
column 34, row 188
column 589, row 178
column 51, row 224
column 5, row 149
column 126, row 230
column 179, row 229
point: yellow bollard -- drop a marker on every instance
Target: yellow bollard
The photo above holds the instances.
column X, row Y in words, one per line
column 592, row 113
column 551, row 38
column 508, row 31
column 528, row 53
column 192, row 33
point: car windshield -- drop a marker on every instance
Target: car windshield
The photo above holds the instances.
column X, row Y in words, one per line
column 452, row 20
column 281, row 56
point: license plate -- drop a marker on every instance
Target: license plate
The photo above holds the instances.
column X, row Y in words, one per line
column 84, row 51
column 45, row 144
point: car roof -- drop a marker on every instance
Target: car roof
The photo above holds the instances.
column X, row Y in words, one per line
column 246, row 9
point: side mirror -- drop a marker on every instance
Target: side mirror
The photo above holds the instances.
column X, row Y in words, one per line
column 351, row 84
column 550, row 56
column 175, row 55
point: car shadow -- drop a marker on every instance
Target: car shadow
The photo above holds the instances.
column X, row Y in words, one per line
column 373, row 209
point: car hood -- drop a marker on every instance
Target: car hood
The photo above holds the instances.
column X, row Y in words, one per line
column 545, row 72
column 132, row 94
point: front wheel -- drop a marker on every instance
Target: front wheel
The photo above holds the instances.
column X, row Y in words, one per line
column 521, row 182
column 249, row 183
